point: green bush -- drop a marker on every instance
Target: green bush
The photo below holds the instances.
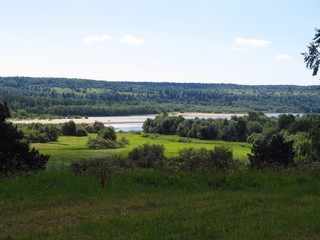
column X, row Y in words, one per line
column 147, row 155
column 108, row 133
column 101, row 169
column 100, row 143
column 202, row 159
column 272, row 152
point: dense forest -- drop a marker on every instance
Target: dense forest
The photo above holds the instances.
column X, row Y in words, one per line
column 33, row 97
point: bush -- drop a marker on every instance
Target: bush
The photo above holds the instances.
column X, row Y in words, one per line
column 40, row 133
column 272, row 152
column 108, row 133
column 202, row 159
column 82, row 132
column 147, row 155
column 101, row 169
column 100, row 143
column 221, row 158
column 69, row 129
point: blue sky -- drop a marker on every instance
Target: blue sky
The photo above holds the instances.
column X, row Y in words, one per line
column 217, row 41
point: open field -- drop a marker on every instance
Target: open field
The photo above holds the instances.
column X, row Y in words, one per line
column 144, row 204
column 69, row 149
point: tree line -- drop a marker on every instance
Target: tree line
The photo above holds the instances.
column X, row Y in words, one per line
column 30, row 97
column 282, row 140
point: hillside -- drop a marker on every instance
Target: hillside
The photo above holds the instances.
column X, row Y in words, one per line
column 31, row 97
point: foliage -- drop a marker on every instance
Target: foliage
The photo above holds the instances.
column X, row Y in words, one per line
column 312, row 58
column 101, row 143
column 202, row 159
column 70, row 129
column 147, row 155
column 101, row 169
column 272, row 152
column 48, row 97
column 15, row 154
column 107, row 133
column 41, row 133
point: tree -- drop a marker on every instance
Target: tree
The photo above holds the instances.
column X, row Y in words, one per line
column 147, row 155
column 15, row 154
column 69, row 128
column 108, row 133
column 272, row 152
column 312, row 58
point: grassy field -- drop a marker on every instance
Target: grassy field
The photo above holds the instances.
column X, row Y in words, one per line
column 149, row 204
column 145, row 204
column 69, row 149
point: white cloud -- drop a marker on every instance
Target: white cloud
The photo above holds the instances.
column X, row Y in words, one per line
column 131, row 40
column 96, row 38
column 283, row 57
column 247, row 42
column 238, row 49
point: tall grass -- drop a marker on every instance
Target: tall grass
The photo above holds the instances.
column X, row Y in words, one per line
column 148, row 204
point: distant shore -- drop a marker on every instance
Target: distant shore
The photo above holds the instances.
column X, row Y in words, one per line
column 121, row 119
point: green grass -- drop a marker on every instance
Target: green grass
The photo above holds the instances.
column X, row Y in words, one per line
column 69, row 149
column 145, row 204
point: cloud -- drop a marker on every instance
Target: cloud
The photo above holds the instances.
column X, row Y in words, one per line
column 247, row 42
column 283, row 57
column 238, row 49
column 96, row 38
column 131, row 40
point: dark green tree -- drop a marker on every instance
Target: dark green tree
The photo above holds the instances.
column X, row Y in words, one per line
column 69, row 128
column 108, row 133
column 15, row 154
column 271, row 152
column 147, row 155
column 312, row 57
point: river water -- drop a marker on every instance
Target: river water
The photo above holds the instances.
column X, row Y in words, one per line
column 134, row 123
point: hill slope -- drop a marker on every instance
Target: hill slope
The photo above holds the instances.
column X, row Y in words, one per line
column 30, row 97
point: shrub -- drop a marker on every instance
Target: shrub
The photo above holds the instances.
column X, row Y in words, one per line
column 202, row 159
column 69, row 128
column 184, row 140
column 82, row 132
column 147, row 155
column 221, row 158
column 101, row 169
column 100, row 143
column 271, row 152
column 108, row 133
column 97, row 126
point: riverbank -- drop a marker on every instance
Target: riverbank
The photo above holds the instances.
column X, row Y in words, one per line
column 121, row 119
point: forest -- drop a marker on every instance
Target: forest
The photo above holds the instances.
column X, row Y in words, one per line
column 61, row 97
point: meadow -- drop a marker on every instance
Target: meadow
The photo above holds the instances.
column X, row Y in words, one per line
column 152, row 204
column 147, row 204
column 69, row 149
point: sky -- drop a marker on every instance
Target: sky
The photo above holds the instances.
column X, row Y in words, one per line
column 209, row 41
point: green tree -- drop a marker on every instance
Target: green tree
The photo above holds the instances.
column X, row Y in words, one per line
column 271, row 152
column 108, row 133
column 69, row 128
column 15, row 154
column 312, row 57
column 147, row 155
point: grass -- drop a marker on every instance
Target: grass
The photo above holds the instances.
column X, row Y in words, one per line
column 69, row 149
column 146, row 204
column 149, row 204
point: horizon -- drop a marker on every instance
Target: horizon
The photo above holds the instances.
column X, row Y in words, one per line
column 127, row 81
column 228, row 42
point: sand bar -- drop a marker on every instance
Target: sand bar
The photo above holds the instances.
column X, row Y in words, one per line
column 121, row 119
